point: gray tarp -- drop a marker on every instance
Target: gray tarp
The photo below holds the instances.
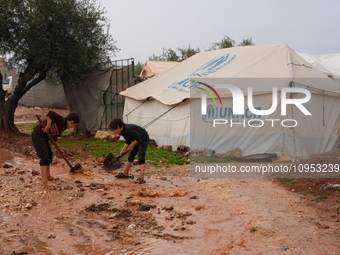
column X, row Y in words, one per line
column 87, row 99
column 45, row 95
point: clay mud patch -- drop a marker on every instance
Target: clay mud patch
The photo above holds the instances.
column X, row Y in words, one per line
column 252, row 217
column 128, row 223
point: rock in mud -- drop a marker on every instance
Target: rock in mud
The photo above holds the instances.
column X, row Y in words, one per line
column 144, row 208
column 183, row 148
column 34, row 172
column 28, row 206
column 100, row 207
column 167, row 147
column 190, row 222
column 198, row 208
column 7, row 166
column 167, row 208
column 51, row 236
column 284, row 158
column 112, row 216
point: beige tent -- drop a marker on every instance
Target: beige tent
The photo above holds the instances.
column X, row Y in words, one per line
column 152, row 68
column 265, row 66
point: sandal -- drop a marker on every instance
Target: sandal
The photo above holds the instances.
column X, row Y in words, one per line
column 140, row 180
column 123, row 176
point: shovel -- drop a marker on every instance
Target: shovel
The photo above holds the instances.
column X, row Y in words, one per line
column 112, row 163
column 73, row 168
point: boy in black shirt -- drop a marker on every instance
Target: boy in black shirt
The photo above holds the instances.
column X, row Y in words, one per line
column 136, row 141
column 55, row 125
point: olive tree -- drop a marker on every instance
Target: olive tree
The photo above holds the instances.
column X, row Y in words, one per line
column 68, row 37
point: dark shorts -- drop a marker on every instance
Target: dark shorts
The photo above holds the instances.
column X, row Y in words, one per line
column 140, row 149
column 43, row 148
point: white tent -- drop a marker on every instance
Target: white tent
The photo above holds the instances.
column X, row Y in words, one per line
column 278, row 64
column 329, row 64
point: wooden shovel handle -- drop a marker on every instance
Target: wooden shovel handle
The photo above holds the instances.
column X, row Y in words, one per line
column 55, row 144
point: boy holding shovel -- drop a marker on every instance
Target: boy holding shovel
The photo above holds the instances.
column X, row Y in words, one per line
column 136, row 141
column 55, row 125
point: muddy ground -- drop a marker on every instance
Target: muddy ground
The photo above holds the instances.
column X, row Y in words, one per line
column 92, row 212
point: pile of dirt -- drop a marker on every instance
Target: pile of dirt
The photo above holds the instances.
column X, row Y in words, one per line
column 321, row 194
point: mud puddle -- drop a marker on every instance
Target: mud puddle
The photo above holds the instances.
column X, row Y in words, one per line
column 13, row 159
column 99, row 214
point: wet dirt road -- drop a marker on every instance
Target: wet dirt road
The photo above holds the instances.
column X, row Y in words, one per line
column 98, row 214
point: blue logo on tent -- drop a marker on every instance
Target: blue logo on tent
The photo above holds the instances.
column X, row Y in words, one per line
column 210, row 67
column 214, row 112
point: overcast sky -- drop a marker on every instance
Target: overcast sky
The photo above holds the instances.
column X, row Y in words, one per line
column 144, row 27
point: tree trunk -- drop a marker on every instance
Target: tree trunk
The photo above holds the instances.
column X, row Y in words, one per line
column 7, row 108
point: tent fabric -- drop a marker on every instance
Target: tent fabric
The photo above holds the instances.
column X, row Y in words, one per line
column 87, row 99
column 152, row 68
column 269, row 63
column 45, row 95
column 329, row 64
column 4, row 70
column 264, row 61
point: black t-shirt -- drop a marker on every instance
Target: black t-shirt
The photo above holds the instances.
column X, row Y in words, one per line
column 132, row 132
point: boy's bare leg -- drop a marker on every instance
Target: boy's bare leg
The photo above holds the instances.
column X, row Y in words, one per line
column 127, row 168
column 49, row 176
column 44, row 178
column 142, row 170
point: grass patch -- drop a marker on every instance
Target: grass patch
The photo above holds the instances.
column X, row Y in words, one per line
column 254, row 229
column 26, row 128
column 290, row 181
column 155, row 155
column 17, row 137
column 93, row 148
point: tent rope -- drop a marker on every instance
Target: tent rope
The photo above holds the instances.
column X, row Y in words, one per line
column 147, row 99
column 323, row 108
column 291, row 63
column 316, row 89
column 154, row 120
column 292, row 84
column 157, row 118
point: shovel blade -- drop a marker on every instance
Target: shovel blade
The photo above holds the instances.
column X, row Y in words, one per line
column 109, row 159
column 114, row 166
column 75, row 168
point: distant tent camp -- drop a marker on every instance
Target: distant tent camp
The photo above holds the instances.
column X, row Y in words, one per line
column 153, row 68
column 277, row 65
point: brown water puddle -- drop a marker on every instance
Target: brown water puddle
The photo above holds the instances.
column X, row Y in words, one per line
column 198, row 223
column 14, row 159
